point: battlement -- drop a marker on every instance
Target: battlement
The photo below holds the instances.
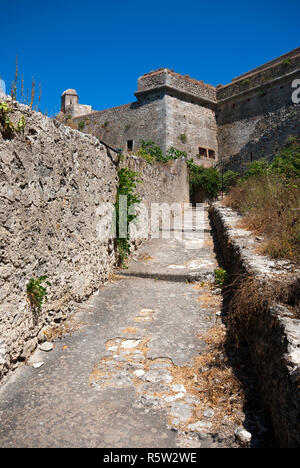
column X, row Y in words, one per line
column 169, row 81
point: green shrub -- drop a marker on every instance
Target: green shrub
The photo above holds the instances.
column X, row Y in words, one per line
column 269, row 198
column 287, row 163
column 230, row 179
column 173, row 153
column 209, row 179
column 256, row 169
column 150, row 152
column 81, row 125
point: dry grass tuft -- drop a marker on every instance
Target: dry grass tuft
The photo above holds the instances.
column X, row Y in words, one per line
column 270, row 208
column 68, row 327
column 254, row 296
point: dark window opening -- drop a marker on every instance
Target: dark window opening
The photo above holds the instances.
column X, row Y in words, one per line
column 211, row 154
column 202, row 153
column 129, row 145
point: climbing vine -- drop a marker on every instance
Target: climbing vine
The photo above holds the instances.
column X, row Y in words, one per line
column 128, row 181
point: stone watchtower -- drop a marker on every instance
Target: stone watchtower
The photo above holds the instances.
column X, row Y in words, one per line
column 70, row 104
column 69, row 98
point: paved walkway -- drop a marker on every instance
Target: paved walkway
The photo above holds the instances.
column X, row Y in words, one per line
column 131, row 375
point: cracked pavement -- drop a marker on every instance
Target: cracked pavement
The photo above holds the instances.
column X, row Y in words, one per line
column 126, row 377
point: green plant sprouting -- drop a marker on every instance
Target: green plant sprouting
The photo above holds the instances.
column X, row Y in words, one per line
column 183, row 138
column 221, row 276
column 21, row 124
column 152, row 152
column 128, row 181
column 36, row 291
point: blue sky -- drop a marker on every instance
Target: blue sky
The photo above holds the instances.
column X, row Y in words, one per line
column 100, row 48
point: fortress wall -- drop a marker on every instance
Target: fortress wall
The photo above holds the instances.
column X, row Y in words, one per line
column 53, row 181
column 255, row 122
column 196, row 122
column 135, row 121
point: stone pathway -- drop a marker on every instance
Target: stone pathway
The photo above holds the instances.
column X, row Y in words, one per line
column 137, row 372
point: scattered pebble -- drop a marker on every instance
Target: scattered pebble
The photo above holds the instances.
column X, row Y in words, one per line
column 178, row 388
column 174, row 397
column 46, row 346
column 130, row 344
column 243, row 436
column 199, row 426
column 37, row 365
column 209, row 413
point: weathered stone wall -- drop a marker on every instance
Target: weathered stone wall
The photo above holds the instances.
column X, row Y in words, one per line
column 52, row 182
column 256, row 114
column 136, row 121
column 197, row 123
column 274, row 338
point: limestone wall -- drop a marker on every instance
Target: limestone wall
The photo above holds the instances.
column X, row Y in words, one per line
column 273, row 338
column 52, row 182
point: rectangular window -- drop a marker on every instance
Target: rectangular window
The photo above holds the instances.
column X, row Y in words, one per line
column 202, row 153
column 211, row 154
column 129, row 145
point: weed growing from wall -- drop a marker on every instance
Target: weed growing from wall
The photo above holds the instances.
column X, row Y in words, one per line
column 17, row 90
column 36, row 291
column 128, row 181
column 183, row 138
column 151, row 152
column 7, row 127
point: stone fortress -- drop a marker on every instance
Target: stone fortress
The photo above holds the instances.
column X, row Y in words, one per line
column 248, row 118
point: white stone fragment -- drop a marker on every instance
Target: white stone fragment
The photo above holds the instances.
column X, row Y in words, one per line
column 243, row 436
column 113, row 348
column 199, row 426
column 37, row 365
column 178, row 388
column 46, row 346
column 128, row 344
column 146, row 311
column 174, row 397
column 139, row 373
